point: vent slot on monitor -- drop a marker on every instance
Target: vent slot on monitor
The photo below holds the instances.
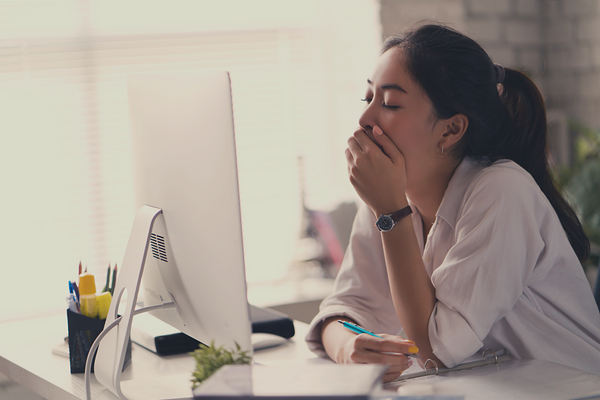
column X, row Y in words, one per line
column 159, row 251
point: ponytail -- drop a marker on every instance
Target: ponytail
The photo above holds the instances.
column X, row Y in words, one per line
column 529, row 149
column 460, row 78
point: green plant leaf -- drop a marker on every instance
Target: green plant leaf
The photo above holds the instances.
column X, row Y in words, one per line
column 580, row 182
column 210, row 358
column 584, row 190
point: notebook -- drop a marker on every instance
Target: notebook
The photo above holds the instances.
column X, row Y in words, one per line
column 480, row 359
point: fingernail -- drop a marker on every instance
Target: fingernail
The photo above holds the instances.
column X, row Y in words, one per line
column 413, row 349
column 409, row 341
column 377, row 130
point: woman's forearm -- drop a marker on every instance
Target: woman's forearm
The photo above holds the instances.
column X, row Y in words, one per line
column 413, row 293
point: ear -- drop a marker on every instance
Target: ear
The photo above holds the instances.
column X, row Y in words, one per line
column 453, row 130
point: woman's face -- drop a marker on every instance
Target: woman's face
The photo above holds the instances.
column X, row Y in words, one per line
column 402, row 109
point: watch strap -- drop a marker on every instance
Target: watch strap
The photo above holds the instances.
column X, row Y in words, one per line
column 401, row 214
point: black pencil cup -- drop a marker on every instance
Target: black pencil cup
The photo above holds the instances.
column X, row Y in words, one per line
column 82, row 333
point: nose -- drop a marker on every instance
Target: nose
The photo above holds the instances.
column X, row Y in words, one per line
column 367, row 119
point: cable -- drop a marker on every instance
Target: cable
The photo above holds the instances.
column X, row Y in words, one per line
column 105, row 331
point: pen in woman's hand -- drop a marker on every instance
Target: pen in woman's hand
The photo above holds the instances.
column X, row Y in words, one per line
column 359, row 329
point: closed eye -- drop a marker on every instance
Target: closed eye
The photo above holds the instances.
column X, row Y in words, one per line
column 368, row 101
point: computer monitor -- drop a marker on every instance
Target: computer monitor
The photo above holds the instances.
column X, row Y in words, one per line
column 186, row 243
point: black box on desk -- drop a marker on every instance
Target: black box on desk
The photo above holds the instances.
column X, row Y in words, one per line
column 82, row 333
column 267, row 320
column 167, row 340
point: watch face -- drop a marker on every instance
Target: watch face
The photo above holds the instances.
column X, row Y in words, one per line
column 385, row 223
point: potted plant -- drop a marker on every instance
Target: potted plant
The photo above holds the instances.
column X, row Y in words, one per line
column 580, row 183
column 210, row 358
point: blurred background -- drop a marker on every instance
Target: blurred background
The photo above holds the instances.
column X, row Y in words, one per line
column 298, row 73
column 297, row 69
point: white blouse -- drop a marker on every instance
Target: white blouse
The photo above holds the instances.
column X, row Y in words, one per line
column 504, row 273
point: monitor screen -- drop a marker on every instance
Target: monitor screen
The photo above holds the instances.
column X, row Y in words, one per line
column 185, row 165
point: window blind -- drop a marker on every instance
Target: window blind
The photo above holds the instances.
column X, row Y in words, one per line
column 66, row 165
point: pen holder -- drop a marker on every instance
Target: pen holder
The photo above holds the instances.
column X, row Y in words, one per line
column 82, row 333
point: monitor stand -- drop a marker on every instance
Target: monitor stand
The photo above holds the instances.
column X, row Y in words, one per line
column 112, row 348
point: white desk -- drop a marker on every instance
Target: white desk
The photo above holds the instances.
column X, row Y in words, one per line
column 26, row 358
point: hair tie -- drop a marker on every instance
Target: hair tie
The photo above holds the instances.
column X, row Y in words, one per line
column 499, row 73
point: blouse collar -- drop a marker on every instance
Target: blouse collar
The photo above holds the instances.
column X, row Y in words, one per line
column 462, row 177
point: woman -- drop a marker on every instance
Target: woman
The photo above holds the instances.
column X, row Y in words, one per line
column 483, row 252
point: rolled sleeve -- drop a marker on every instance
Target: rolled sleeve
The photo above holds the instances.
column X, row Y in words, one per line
column 361, row 290
column 497, row 244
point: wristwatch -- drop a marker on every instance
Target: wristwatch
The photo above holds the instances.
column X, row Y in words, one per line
column 386, row 222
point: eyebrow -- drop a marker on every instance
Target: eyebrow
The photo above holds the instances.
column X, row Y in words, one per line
column 388, row 86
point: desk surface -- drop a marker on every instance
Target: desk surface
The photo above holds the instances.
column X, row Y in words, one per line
column 515, row 379
column 26, row 357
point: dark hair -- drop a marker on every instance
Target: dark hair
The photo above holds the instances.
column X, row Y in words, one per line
column 460, row 78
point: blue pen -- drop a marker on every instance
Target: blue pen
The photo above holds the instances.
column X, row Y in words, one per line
column 359, row 329
column 76, row 293
column 76, row 290
column 72, row 298
column 72, row 303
